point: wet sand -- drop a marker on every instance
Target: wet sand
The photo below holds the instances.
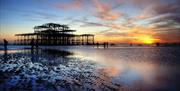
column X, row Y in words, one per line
column 23, row 71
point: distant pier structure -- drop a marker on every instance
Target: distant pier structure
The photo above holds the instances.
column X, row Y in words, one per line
column 54, row 34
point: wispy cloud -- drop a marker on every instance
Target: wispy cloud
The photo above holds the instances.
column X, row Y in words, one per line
column 75, row 4
column 128, row 19
column 163, row 17
column 104, row 11
column 37, row 15
column 101, row 10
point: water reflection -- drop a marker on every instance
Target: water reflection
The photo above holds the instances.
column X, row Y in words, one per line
column 145, row 68
column 53, row 57
column 126, row 68
column 5, row 55
column 40, row 55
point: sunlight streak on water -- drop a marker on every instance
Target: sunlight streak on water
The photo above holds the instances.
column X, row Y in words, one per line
column 142, row 65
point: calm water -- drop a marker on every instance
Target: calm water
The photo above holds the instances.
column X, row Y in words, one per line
column 91, row 68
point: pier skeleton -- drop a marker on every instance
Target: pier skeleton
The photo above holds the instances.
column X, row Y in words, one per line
column 54, row 34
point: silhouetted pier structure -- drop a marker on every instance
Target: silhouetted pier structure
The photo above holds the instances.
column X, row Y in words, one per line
column 54, row 34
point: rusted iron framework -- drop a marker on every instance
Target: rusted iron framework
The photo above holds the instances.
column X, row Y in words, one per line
column 54, row 34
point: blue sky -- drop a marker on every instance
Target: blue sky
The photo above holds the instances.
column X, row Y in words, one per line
column 121, row 20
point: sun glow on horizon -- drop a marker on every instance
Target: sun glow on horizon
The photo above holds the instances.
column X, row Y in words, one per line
column 146, row 39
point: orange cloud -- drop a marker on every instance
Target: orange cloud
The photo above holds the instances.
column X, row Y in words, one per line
column 169, row 37
column 136, row 34
column 104, row 11
column 142, row 34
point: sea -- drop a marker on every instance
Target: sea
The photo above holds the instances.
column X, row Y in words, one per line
column 90, row 68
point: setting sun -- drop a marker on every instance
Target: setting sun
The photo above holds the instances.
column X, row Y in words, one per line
column 147, row 40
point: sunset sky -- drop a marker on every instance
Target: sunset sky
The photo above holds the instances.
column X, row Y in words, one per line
column 117, row 21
